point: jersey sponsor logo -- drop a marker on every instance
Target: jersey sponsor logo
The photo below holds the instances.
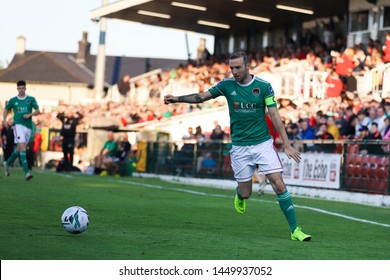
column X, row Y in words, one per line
column 22, row 109
column 256, row 91
column 244, row 107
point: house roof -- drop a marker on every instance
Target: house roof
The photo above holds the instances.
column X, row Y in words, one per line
column 60, row 67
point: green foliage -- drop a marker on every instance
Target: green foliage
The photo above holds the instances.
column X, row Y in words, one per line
column 149, row 219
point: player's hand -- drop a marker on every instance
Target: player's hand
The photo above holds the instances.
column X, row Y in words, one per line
column 170, row 99
column 292, row 153
column 5, row 124
column 27, row 116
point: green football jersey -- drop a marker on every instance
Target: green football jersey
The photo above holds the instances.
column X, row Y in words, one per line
column 247, row 104
column 21, row 107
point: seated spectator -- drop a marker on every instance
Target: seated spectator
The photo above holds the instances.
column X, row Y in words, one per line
column 362, row 120
column 121, row 157
column 293, row 132
column 106, row 154
column 306, row 132
column 350, row 129
column 387, row 129
column 209, row 164
column 372, row 149
column 332, row 127
column 184, row 159
column 323, row 134
column 217, row 133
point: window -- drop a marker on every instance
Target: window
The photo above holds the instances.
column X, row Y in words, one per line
column 386, row 17
column 359, row 21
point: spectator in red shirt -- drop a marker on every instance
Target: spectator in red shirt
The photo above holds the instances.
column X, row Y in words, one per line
column 344, row 67
column 335, row 85
column 386, row 48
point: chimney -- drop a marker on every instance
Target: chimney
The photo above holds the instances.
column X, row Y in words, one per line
column 84, row 48
column 20, row 45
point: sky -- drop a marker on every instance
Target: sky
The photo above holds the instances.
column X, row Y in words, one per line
column 57, row 25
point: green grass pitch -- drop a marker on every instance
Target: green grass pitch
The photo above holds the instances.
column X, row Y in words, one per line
column 150, row 219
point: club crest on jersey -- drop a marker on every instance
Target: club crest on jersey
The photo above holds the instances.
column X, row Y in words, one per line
column 256, row 91
column 28, row 101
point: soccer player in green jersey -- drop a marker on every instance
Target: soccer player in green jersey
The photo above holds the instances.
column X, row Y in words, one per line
column 22, row 106
column 248, row 97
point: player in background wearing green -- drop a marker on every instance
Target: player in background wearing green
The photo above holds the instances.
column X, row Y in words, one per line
column 248, row 97
column 22, row 106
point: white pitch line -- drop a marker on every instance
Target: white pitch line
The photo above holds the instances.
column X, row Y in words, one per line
column 227, row 196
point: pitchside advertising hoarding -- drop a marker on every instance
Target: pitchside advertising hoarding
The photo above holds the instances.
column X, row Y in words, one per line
column 315, row 170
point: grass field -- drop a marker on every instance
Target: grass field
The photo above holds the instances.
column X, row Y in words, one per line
column 145, row 219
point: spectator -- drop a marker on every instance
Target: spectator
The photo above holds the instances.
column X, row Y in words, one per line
column 344, row 67
column 371, row 148
column 371, row 117
column 332, row 127
column 386, row 135
column 7, row 139
column 341, row 121
column 335, row 85
column 217, row 133
column 69, row 122
column 124, row 87
column 323, row 134
column 363, row 134
column 119, row 161
column 190, row 134
column 386, row 48
column 293, row 132
column 107, row 153
column 374, row 132
column 350, row 130
column 387, row 108
column 306, row 132
column 362, row 120
column 380, row 120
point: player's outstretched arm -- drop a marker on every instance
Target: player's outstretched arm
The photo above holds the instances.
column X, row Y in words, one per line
column 190, row 98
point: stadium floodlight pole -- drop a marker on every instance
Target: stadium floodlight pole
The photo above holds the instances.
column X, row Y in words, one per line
column 101, row 58
column 188, row 48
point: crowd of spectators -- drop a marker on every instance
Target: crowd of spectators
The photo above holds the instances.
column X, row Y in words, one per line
column 342, row 114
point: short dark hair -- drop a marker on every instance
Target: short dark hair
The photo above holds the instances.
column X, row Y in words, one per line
column 238, row 54
column 20, row 83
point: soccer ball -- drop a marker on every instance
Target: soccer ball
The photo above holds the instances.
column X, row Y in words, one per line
column 75, row 220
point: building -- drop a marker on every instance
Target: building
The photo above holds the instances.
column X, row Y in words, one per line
column 54, row 77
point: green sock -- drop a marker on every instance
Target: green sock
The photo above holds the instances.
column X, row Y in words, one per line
column 238, row 194
column 23, row 159
column 286, row 204
column 12, row 158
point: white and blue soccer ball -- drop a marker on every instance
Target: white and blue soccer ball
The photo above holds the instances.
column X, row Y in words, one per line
column 75, row 220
